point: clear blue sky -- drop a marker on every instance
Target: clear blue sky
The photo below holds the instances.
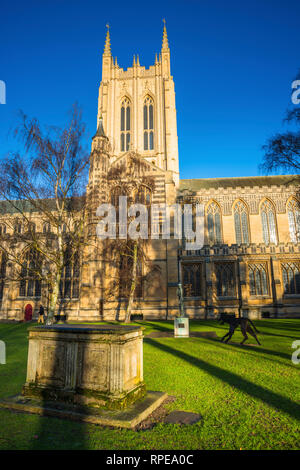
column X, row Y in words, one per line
column 233, row 63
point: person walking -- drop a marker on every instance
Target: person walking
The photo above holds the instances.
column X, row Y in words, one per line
column 41, row 314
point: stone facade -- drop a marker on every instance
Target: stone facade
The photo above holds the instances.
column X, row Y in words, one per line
column 250, row 261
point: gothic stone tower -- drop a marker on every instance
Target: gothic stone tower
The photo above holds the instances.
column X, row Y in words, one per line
column 138, row 108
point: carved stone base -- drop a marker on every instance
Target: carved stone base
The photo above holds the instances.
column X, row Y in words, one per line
column 98, row 366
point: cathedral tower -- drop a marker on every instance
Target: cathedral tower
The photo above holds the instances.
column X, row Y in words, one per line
column 138, row 108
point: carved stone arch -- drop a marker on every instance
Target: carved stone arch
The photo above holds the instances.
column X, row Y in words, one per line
column 266, row 199
column 239, row 199
column 211, row 201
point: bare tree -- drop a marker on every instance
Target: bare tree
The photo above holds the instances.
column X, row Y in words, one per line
column 45, row 185
column 282, row 151
column 129, row 256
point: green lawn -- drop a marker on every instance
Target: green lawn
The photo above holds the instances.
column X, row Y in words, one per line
column 249, row 397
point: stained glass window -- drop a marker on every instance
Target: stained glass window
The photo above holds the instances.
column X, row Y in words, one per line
column 241, row 223
column 191, row 275
column 258, row 279
column 125, row 125
column 214, row 227
column 225, row 279
column 291, row 277
column 268, row 221
column 148, row 124
column 69, row 283
column 293, row 209
column 30, row 284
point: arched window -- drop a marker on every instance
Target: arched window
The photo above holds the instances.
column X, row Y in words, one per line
column 293, row 209
column 268, row 222
column 30, row 284
column 2, row 229
column 225, row 279
column 46, row 228
column 241, row 223
column 69, row 282
column 258, row 279
column 214, row 228
column 148, row 124
column 143, row 195
column 291, row 278
column 125, row 125
column 17, row 227
column 2, row 272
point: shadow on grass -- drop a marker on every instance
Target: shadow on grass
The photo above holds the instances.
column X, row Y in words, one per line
column 270, row 398
column 258, row 349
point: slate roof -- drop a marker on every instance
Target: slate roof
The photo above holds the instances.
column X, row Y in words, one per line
column 240, row 181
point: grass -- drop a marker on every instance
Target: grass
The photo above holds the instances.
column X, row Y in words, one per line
column 249, row 397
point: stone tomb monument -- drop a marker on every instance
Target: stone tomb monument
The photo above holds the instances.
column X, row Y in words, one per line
column 90, row 373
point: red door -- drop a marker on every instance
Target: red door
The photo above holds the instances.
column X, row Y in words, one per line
column 28, row 312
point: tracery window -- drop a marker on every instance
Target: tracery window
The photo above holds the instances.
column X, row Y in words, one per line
column 293, row 209
column 225, row 275
column 258, row 279
column 214, row 228
column 2, row 273
column 291, row 277
column 69, row 282
column 30, row 284
column 268, row 221
column 191, row 275
column 125, row 125
column 241, row 223
column 148, row 124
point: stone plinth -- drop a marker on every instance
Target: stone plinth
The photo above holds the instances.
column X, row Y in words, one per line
column 99, row 366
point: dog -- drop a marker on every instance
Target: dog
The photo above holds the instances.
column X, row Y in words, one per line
column 234, row 322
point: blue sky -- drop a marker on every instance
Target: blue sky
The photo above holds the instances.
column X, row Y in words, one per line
column 233, row 64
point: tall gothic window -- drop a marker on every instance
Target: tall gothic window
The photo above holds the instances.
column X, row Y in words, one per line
column 191, row 275
column 225, row 279
column 294, row 220
column 125, row 125
column 241, row 223
column 268, row 222
column 148, row 124
column 258, row 279
column 291, row 278
column 69, row 283
column 214, row 224
column 30, row 284
column 2, row 273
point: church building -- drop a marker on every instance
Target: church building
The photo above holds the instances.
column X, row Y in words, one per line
column 250, row 260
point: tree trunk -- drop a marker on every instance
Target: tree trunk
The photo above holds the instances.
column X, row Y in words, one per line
column 56, row 283
column 133, row 284
column 53, row 300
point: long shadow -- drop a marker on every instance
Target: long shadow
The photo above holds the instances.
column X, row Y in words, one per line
column 271, row 398
column 258, row 349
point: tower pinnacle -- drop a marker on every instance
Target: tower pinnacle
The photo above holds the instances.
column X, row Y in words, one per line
column 165, row 44
column 107, row 49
